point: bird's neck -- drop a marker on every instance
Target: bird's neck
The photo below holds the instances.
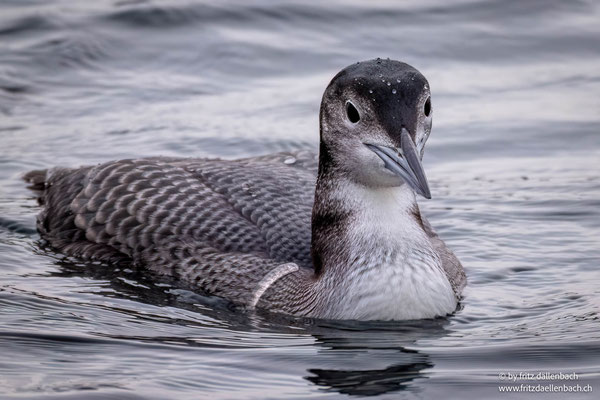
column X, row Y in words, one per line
column 351, row 220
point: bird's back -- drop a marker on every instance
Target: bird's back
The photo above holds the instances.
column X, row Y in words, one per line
column 123, row 209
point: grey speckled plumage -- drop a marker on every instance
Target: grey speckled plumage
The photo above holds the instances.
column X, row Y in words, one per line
column 225, row 227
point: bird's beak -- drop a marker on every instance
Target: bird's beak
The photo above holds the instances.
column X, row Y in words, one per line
column 404, row 162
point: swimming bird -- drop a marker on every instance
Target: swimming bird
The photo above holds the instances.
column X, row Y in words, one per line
column 337, row 236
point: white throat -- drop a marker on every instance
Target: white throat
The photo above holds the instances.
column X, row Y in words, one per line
column 392, row 270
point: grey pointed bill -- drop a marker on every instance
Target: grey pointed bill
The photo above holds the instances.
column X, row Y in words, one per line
column 404, row 162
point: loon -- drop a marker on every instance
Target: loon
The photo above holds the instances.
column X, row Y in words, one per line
column 334, row 236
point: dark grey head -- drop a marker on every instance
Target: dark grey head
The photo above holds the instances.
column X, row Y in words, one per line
column 375, row 120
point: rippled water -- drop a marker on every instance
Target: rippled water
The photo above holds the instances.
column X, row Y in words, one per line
column 513, row 163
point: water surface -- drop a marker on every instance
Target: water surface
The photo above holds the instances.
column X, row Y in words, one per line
column 512, row 161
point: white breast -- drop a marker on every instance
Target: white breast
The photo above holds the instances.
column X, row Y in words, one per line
column 395, row 274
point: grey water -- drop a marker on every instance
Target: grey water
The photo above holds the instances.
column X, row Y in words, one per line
column 513, row 163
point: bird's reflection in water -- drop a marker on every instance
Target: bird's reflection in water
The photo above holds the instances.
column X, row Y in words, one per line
column 368, row 382
column 372, row 358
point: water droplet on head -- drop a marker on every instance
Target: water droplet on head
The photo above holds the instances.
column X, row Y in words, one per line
column 393, row 91
column 389, row 83
column 370, row 91
column 380, row 75
column 289, row 160
column 398, row 80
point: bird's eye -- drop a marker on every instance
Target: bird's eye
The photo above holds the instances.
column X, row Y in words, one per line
column 352, row 113
column 427, row 107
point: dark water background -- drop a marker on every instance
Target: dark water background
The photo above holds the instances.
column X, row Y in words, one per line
column 513, row 163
